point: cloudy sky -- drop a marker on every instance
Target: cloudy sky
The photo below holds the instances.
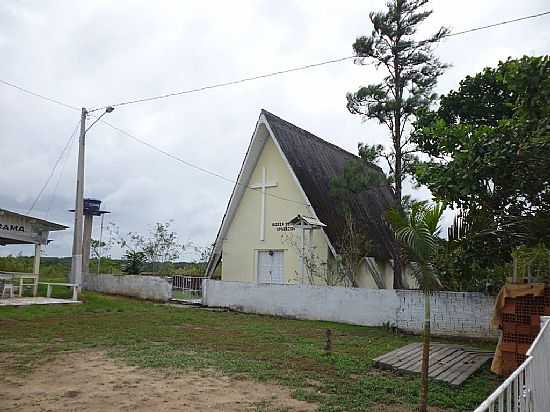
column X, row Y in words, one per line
column 96, row 53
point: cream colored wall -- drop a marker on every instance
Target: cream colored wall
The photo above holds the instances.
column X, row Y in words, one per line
column 386, row 269
column 240, row 246
column 242, row 242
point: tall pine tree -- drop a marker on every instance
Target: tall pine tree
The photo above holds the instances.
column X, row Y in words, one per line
column 411, row 70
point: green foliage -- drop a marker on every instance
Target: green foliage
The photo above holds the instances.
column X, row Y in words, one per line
column 489, row 148
column 411, row 74
column 418, row 231
column 359, row 175
column 532, row 263
column 160, row 246
column 459, row 267
column 55, row 269
column 134, row 262
column 269, row 349
column 489, row 142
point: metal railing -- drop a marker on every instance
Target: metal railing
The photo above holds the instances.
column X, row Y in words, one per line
column 527, row 389
column 190, row 285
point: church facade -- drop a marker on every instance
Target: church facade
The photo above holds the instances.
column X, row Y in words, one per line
column 286, row 175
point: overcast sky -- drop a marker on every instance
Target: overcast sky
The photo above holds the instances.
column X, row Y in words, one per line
column 95, row 53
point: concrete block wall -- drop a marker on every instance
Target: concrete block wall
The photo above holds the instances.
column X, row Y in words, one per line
column 453, row 314
column 142, row 287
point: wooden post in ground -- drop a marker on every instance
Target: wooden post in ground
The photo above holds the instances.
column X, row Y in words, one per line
column 328, row 342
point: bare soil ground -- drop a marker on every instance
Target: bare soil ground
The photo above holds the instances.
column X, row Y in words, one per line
column 90, row 381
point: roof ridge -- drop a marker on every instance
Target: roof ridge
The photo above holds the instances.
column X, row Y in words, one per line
column 319, row 139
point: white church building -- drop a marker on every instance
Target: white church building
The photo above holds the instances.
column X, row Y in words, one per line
column 286, row 175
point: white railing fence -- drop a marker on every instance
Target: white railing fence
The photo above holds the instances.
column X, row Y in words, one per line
column 527, row 389
column 191, row 285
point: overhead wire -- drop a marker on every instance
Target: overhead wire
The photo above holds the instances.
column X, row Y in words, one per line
column 247, row 79
column 298, row 68
column 46, row 183
column 228, row 83
column 49, row 99
column 194, row 166
column 502, row 23
column 63, row 164
column 213, row 86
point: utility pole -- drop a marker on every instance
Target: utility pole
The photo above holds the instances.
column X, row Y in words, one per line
column 76, row 264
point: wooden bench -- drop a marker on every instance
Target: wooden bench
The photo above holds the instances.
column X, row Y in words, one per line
column 51, row 284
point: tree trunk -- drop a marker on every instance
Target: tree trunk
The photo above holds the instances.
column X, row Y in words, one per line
column 425, row 356
column 398, row 165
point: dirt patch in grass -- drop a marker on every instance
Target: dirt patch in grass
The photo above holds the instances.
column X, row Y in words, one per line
column 89, row 381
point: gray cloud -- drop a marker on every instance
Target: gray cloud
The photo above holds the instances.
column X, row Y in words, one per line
column 100, row 52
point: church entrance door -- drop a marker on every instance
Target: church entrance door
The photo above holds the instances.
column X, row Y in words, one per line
column 270, row 266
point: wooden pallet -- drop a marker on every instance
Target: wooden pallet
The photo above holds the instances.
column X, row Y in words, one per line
column 448, row 363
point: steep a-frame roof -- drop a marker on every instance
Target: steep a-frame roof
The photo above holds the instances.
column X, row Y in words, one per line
column 314, row 162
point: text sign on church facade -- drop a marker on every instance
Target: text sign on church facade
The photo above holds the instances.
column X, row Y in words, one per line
column 282, row 227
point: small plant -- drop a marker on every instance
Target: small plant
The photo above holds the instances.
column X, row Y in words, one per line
column 134, row 262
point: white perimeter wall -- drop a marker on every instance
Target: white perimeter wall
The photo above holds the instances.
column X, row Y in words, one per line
column 137, row 286
column 453, row 314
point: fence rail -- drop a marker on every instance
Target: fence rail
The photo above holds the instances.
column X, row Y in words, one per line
column 526, row 389
column 189, row 286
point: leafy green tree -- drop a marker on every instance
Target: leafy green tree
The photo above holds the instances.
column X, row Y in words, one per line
column 160, row 246
column 489, row 154
column 418, row 231
column 359, row 175
column 411, row 73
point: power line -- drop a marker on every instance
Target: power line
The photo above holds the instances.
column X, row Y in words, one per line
column 247, row 79
column 194, row 166
column 229, row 83
column 298, row 68
column 204, row 170
column 203, row 88
column 49, row 99
column 54, row 192
column 498, row 24
column 53, row 169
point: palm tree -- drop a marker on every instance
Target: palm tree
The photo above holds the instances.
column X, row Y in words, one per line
column 418, row 231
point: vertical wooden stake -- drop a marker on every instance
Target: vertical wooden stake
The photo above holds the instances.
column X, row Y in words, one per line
column 328, row 342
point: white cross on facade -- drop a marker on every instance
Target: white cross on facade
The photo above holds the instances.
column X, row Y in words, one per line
column 264, row 185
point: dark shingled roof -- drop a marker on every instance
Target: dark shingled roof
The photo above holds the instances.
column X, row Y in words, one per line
column 315, row 161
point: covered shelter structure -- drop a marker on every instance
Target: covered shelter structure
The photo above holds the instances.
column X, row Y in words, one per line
column 19, row 229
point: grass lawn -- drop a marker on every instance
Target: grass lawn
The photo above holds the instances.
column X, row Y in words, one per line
column 288, row 352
